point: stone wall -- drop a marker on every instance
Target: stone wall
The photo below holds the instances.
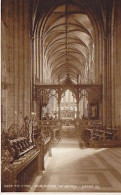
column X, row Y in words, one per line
column 16, row 61
column 117, row 64
column 112, row 63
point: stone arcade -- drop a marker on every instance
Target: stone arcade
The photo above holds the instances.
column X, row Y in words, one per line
column 61, row 95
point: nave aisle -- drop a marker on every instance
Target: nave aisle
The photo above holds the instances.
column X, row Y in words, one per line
column 72, row 168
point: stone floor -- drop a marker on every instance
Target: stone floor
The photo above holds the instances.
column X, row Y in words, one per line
column 75, row 169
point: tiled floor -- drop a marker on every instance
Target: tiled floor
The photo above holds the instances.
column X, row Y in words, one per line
column 74, row 169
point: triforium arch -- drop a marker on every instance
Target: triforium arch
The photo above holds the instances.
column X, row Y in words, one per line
column 56, row 56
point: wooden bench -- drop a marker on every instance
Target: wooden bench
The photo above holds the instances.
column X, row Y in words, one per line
column 23, row 158
column 101, row 137
column 19, row 174
column 20, row 162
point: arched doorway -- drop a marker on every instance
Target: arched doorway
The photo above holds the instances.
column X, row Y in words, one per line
column 68, row 107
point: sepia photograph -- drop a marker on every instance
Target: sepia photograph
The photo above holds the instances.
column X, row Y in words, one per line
column 61, row 96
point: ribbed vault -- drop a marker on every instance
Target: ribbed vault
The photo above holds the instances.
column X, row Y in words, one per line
column 67, row 36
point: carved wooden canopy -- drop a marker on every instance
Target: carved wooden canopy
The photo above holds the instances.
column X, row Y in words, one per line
column 94, row 91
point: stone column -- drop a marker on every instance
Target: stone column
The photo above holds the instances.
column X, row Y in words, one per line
column 77, row 107
column 16, row 48
column 59, row 111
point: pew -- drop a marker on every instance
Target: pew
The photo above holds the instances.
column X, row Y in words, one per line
column 20, row 161
column 100, row 136
column 54, row 127
column 23, row 155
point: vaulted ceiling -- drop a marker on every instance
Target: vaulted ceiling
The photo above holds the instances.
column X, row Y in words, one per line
column 68, row 39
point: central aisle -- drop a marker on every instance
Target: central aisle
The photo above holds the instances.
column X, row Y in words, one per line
column 69, row 138
column 80, row 169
